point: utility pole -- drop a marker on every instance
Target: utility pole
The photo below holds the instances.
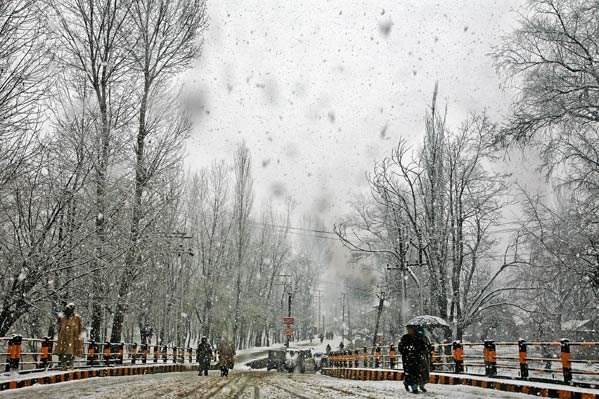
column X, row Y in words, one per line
column 349, row 324
column 312, row 309
column 288, row 315
column 404, row 270
column 287, row 287
column 178, row 285
column 320, row 326
column 342, row 316
column 379, row 310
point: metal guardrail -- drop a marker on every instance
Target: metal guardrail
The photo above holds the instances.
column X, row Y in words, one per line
column 37, row 355
column 575, row 362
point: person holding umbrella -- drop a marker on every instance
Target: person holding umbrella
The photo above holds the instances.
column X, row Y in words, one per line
column 410, row 347
column 415, row 348
column 424, row 361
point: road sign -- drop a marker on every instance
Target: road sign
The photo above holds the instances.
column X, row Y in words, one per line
column 289, row 331
column 288, row 320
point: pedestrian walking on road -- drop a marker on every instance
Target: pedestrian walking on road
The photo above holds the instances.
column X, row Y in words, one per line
column 425, row 358
column 70, row 341
column 412, row 348
column 226, row 350
column 203, row 356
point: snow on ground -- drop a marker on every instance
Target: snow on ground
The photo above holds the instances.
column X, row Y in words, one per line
column 242, row 385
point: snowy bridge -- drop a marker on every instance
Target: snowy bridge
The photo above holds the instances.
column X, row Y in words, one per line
column 166, row 371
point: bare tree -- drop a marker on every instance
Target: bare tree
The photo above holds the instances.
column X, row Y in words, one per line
column 91, row 34
column 433, row 186
column 560, row 280
column 243, row 202
column 24, row 70
column 164, row 40
column 211, row 223
column 431, row 213
column 45, row 229
column 552, row 59
column 475, row 200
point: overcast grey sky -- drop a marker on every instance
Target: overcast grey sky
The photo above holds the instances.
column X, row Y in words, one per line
column 319, row 90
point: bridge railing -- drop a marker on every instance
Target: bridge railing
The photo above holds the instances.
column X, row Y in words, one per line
column 555, row 361
column 34, row 354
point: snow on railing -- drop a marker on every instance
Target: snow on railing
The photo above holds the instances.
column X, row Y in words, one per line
column 576, row 362
column 38, row 355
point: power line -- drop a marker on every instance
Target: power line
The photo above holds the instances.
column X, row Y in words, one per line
column 317, row 233
column 333, row 236
column 294, row 228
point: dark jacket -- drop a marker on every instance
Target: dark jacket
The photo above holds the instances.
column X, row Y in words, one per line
column 204, row 353
column 425, row 357
column 412, row 348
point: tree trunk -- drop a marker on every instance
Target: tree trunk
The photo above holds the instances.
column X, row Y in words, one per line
column 132, row 259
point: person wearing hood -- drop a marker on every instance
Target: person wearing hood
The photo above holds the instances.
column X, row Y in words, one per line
column 203, row 356
column 70, row 342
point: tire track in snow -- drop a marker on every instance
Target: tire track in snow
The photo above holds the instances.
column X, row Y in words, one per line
column 201, row 385
column 350, row 394
column 295, row 394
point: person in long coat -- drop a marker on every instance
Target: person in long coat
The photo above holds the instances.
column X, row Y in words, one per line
column 70, row 341
column 203, row 356
column 424, row 366
column 226, row 350
column 411, row 348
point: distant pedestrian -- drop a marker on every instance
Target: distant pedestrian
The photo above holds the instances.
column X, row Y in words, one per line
column 203, row 356
column 328, row 349
column 321, row 337
column 70, row 341
column 392, row 356
column 341, row 346
column 377, row 357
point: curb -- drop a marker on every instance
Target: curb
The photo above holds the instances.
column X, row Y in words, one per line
column 76, row 375
column 435, row 378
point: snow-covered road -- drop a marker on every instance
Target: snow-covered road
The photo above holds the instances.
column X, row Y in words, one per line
column 242, row 385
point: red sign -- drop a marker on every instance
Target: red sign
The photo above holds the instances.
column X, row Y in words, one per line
column 289, row 331
column 288, row 320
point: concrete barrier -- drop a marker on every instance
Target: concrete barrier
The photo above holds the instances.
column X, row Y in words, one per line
column 75, row 375
column 518, row 386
